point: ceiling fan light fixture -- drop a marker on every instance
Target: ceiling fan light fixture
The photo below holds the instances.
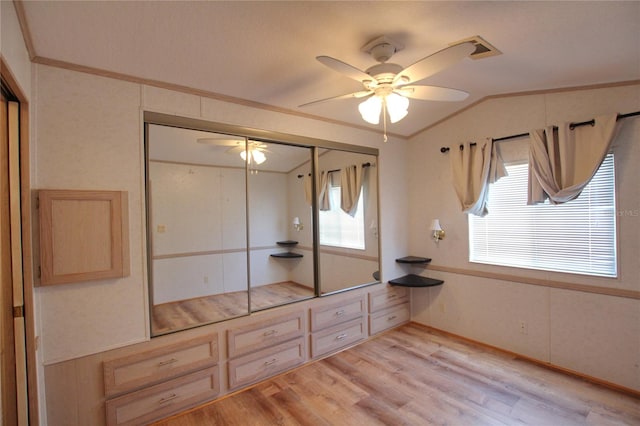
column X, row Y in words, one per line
column 370, row 109
column 258, row 156
column 397, row 107
column 253, row 155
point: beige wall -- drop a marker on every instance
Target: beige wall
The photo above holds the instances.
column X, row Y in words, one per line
column 596, row 335
column 88, row 134
column 12, row 46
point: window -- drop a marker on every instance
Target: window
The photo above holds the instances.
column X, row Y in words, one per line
column 339, row 229
column 577, row 237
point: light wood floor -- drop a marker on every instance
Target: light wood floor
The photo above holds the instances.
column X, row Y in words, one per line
column 416, row 376
column 183, row 314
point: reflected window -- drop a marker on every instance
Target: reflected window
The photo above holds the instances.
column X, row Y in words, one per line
column 339, row 229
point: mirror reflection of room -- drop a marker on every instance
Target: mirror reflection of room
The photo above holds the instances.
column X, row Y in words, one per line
column 280, row 227
column 348, row 220
column 197, row 228
column 231, row 224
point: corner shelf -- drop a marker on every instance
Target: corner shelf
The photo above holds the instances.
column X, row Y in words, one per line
column 413, row 280
column 287, row 254
column 414, row 260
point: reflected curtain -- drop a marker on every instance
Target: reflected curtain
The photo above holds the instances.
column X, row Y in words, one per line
column 324, row 199
column 307, row 183
column 473, row 168
column 563, row 161
column 350, row 188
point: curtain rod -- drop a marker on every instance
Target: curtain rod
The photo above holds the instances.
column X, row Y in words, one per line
column 337, row 170
column 572, row 126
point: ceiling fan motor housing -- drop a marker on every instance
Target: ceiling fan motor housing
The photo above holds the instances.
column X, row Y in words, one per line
column 385, row 72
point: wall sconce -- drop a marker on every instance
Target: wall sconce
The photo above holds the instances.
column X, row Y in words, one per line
column 297, row 225
column 438, row 232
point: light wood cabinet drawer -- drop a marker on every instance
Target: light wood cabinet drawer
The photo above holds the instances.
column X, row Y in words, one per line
column 156, row 402
column 266, row 333
column 265, row 363
column 149, row 367
column 327, row 316
column 388, row 297
column 389, row 318
column 331, row 339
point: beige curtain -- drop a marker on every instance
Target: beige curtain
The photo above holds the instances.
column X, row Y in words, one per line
column 307, row 183
column 350, row 188
column 563, row 161
column 324, row 202
column 473, row 168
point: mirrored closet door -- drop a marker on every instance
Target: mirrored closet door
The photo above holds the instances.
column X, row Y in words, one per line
column 242, row 220
column 348, row 220
column 280, row 225
column 197, row 228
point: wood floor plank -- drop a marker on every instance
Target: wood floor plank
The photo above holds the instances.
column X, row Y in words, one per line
column 414, row 376
column 182, row 314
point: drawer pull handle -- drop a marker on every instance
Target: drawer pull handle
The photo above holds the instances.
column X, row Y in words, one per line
column 341, row 336
column 391, row 296
column 270, row 333
column 391, row 318
column 168, row 398
column 271, row 362
column 340, row 312
column 167, row 362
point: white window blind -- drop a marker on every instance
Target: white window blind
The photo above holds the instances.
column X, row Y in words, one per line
column 337, row 228
column 576, row 237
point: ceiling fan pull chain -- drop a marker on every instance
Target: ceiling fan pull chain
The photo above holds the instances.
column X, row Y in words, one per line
column 384, row 120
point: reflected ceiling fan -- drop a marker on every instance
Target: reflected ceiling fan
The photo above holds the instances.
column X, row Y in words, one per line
column 388, row 86
column 253, row 153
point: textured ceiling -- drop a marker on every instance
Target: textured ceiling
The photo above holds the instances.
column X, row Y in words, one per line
column 265, row 51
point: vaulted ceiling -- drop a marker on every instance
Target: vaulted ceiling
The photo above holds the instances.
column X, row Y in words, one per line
column 263, row 53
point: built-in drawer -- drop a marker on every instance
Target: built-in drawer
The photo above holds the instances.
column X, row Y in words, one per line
column 150, row 367
column 331, row 339
column 388, row 318
column 330, row 315
column 387, row 297
column 265, row 333
column 265, row 363
column 156, row 402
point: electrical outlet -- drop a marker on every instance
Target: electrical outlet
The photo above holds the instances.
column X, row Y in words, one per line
column 443, row 308
column 523, row 327
column 206, row 279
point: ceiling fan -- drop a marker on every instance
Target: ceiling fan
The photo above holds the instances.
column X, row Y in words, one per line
column 388, row 86
column 252, row 153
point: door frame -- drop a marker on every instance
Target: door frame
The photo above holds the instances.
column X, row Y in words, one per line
column 26, row 236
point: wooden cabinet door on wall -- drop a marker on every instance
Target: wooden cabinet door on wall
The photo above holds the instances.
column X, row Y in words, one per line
column 83, row 235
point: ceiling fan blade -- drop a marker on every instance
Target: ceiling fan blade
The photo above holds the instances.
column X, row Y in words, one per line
column 220, row 141
column 344, row 68
column 235, row 150
column 434, row 63
column 356, row 95
column 239, row 149
column 432, row 93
